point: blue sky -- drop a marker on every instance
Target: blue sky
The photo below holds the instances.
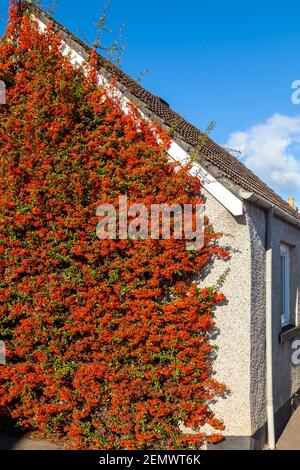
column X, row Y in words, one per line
column 228, row 61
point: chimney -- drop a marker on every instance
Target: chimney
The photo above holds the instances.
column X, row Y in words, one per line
column 291, row 201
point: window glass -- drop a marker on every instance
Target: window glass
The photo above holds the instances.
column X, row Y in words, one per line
column 285, row 285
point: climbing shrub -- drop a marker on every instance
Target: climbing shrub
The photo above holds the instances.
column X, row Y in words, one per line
column 107, row 341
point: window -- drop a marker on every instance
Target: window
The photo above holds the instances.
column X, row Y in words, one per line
column 2, row 92
column 285, row 285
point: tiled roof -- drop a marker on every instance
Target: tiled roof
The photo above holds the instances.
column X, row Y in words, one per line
column 230, row 167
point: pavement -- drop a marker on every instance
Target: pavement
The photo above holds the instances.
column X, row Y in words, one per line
column 290, row 438
column 10, row 442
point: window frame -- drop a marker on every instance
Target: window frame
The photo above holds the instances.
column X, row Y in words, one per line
column 285, row 301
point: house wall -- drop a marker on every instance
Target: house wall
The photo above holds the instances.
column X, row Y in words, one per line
column 233, row 320
column 257, row 225
column 240, row 362
column 286, row 375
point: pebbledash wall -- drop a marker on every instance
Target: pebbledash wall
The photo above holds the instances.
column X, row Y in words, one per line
column 233, row 323
column 286, row 375
column 240, row 326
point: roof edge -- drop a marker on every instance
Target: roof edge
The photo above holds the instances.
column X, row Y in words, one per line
column 265, row 204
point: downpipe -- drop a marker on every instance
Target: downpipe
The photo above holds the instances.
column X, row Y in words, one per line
column 269, row 330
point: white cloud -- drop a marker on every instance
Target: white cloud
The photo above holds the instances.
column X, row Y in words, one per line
column 270, row 150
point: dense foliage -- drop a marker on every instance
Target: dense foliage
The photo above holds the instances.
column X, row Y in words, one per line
column 108, row 341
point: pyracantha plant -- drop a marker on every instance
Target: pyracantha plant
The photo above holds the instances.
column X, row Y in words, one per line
column 108, row 341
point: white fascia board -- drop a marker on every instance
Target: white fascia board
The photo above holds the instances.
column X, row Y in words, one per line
column 231, row 202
